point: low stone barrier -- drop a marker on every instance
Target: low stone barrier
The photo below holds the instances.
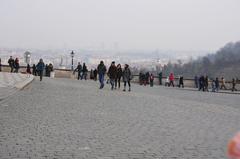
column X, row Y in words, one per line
column 66, row 73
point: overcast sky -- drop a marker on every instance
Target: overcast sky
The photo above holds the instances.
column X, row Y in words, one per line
column 123, row 24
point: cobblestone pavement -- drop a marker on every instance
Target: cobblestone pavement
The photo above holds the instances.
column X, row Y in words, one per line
column 63, row 119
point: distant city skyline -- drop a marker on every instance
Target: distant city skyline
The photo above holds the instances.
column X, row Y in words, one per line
column 119, row 25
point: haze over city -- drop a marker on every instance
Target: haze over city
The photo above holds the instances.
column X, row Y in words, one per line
column 125, row 25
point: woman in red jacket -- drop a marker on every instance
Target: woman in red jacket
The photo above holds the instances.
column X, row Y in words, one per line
column 171, row 78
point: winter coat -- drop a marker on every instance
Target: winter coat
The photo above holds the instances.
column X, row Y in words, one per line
column 127, row 76
column 171, row 77
column 79, row 68
column 40, row 66
column 84, row 68
column 119, row 72
column 112, row 72
column 11, row 62
column 101, row 69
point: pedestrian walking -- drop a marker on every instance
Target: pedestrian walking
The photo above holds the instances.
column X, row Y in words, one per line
column 127, row 76
column 151, row 78
column 223, row 84
column 171, row 78
column 40, row 67
column 34, row 70
column 112, row 74
column 234, row 85
column 28, row 70
column 84, row 72
column 79, row 70
column 181, row 84
column 11, row 63
column 119, row 76
column 101, row 73
column 16, row 65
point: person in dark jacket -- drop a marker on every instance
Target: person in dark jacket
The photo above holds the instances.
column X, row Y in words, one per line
column 181, row 84
column 11, row 63
column 234, row 85
column 34, row 70
column 101, row 72
column 40, row 67
column 112, row 74
column 127, row 76
column 84, row 72
column 16, row 65
column 95, row 74
column 28, row 70
column 201, row 84
column 79, row 70
column 206, row 83
column 160, row 78
column 151, row 78
column 119, row 76
column 217, row 84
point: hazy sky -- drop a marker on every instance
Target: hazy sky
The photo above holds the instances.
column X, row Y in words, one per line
column 125, row 24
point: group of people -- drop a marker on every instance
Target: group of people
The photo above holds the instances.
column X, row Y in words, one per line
column 202, row 83
column 13, row 64
column 114, row 73
column 82, row 71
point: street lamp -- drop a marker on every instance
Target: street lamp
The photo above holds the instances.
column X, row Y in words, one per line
column 72, row 55
column 27, row 56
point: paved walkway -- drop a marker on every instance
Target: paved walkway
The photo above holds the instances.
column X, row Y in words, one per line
column 11, row 82
column 63, row 119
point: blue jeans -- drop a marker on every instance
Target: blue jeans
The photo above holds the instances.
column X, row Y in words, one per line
column 101, row 80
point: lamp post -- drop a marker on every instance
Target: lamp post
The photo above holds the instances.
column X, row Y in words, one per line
column 27, row 56
column 72, row 55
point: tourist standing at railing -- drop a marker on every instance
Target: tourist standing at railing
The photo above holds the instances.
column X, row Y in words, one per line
column 40, row 67
column 206, row 83
column 84, row 72
column 28, row 70
column 151, row 80
column 16, row 65
column 101, row 73
column 213, row 85
column 112, row 74
column 79, row 70
column 11, row 63
column 196, row 81
column 171, row 78
column 223, row 83
column 181, row 84
column 167, row 81
column 127, row 76
column 201, row 83
column 95, row 74
column 217, row 84
column 160, row 78
column 119, row 76
column 234, row 85
column 34, row 70
column 0, row 65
